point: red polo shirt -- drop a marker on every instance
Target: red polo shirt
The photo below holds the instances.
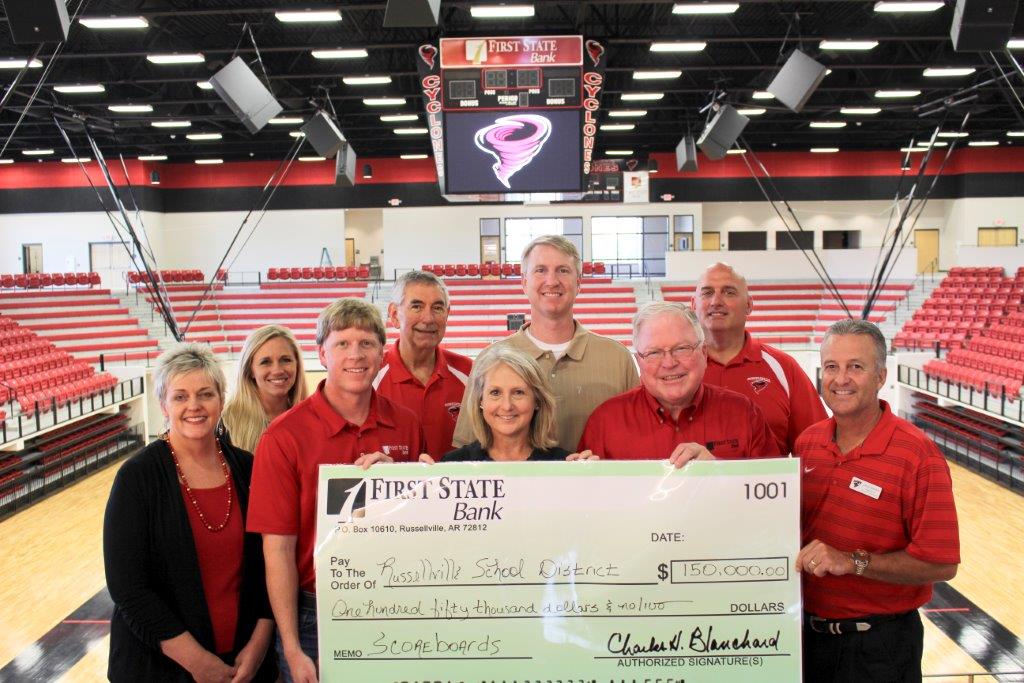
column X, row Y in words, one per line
column 634, row 426
column 893, row 492
column 436, row 404
column 282, row 497
column 776, row 383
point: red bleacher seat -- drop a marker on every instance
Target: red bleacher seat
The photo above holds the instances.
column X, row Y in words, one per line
column 473, row 269
column 427, row 267
column 517, row 269
column 318, row 273
column 21, row 280
column 460, row 270
column 506, row 270
column 272, row 274
column 599, row 268
column 449, row 270
column 7, row 281
column 94, row 279
column 588, row 268
column 296, row 273
column 437, row 269
column 307, row 273
column 364, row 272
column 35, row 280
column 58, row 279
column 47, row 280
column 329, row 272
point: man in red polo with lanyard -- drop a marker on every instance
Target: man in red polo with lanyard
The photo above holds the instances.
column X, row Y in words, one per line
column 418, row 372
column 770, row 378
column 877, row 518
column 672, row 414
column 343, row 422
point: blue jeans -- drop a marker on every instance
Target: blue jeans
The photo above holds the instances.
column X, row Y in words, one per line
column 307, row 636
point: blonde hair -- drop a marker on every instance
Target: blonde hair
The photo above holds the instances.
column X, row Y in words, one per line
column 556, row 242
column 543, row 422
column 345, row 313
column 244, row 415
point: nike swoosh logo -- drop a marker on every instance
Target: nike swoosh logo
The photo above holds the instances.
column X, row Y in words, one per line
column 808, row 469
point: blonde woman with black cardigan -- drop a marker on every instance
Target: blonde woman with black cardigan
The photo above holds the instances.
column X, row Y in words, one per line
column 190, row 601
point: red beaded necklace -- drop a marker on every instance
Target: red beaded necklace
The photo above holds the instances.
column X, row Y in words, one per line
column 188, row 489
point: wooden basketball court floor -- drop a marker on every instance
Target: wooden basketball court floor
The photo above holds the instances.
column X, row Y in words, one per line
column 51, row 567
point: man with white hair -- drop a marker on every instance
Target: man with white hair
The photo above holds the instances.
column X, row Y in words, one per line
column 767, row 376
column 418, row 372
column 673, row 413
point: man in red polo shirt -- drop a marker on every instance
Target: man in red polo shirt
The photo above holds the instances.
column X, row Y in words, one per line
column 343, row 422
column 877, row 518
column 672, row 414
column 770, row 378
column 418, row 373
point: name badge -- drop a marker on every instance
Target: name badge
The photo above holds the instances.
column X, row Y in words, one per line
column 866, row 487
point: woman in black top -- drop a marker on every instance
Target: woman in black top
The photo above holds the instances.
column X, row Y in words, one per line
column 190, row 600
column 513, row 414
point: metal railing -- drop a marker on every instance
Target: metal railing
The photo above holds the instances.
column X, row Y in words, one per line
column 998, row 403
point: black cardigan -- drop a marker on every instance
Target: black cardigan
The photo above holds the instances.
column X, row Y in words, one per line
column 153, row 571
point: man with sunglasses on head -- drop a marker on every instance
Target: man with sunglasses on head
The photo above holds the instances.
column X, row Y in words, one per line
column 673, row 414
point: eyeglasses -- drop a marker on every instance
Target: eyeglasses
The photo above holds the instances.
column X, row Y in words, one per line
column 678, row 353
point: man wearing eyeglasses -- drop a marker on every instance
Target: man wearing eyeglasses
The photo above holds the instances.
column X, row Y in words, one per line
column 673, row 414
column 770, row 378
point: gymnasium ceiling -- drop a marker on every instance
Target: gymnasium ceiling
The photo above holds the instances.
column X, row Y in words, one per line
column 743, row 51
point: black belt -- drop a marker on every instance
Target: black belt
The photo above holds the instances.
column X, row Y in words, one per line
column 839, row 627
column 307, row 600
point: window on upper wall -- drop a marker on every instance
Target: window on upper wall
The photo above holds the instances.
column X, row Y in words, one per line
column 748, row 240
column 840, row 239
column 630, row 246
column 784, row 239
column 521, row 231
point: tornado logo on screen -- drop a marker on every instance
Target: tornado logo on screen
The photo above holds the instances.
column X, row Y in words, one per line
column 513, row 141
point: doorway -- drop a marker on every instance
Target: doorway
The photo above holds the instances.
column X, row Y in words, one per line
column 997, row 237
column 684, row 242
column 490, row 249
column 32, row 258
column 350, row 251
column 926, row 241
column 711, row 241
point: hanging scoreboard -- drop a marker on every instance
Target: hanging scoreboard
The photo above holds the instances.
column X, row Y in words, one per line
column 512, row 114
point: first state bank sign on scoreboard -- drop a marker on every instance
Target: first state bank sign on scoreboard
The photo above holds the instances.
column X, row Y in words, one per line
column 595, row 571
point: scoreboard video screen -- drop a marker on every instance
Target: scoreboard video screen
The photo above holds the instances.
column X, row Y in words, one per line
column 512, row 114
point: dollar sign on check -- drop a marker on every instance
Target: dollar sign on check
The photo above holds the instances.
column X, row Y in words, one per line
column 662, row 571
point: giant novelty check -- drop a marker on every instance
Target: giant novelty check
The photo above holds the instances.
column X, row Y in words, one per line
column 595, row 571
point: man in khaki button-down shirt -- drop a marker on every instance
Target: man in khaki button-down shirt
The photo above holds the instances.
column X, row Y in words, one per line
column 584, row 369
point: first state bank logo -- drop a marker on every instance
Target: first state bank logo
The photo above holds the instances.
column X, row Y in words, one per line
column 344, row 496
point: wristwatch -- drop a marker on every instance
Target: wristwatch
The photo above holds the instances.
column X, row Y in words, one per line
column 861, row 560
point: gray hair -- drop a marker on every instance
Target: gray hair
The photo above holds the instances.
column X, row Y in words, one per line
column 183, row 359
column 417, row 277
column 863, row 328
column 345, row 313
column 557, row 242
column 654, row 309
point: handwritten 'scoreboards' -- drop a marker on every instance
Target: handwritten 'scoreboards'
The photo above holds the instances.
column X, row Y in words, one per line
column 576, row 571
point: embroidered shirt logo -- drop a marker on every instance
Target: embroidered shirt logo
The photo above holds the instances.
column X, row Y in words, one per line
column 453, row 408
column 759, row 384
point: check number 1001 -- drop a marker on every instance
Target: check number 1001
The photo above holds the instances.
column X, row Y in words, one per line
column 765, row 490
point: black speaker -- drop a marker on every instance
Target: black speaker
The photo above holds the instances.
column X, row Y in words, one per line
column 686, row 154
column 797, row 80
column 345, row 166
column 323, row 134
column 37, row 21
column 723, row 130
column 248, row 98
column 982, row 25
column 411, row 13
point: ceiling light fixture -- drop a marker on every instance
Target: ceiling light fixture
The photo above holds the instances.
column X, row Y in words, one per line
column 113, row 22
column 762, row 95
column 309, row 16
column 824, row 150
column 848, row 44
column 1015, row 133
column 860, row 111
column 953, row 134
column 895, row 7
column 618, row 126
column 312, row 158
column 209, row 161
column 936, row 72
column 131, row 108
column 36, row 152
column 75, row 160
column 925, row 145
column 736, row 151
column 397, row 118
column 896, row 94
column 619, row 152
column 413, row 156
column 204, row 85
column 411, row 131
column 751, row 111
column 641, row 96
column 297, row 134
column 194, row 58
column 6, row 161
column 983, row 143
column 80, row 89
column 171, row 124
column 204, row 136
column 19, row 64
column 656, row 75
column 705, row 8
column 284, row 121
column 828, row 124
column 1015, row 44
column 501, row 11
column 627, row 113
column 351, row 53
column 383, row 101
column 366, row 80
column 153, row 157
column 678, row 46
